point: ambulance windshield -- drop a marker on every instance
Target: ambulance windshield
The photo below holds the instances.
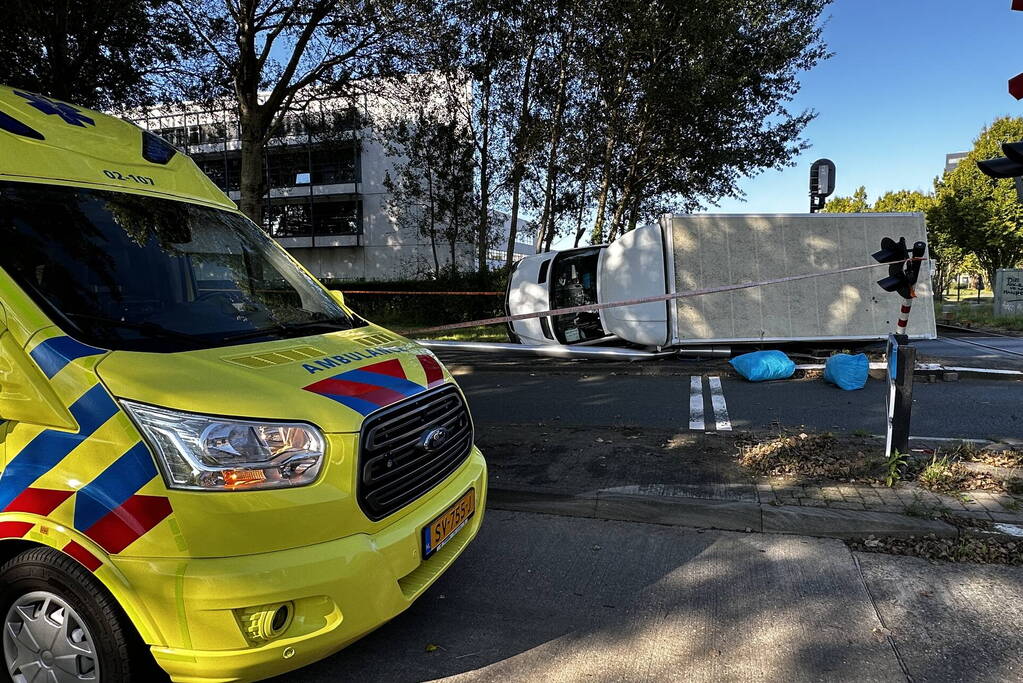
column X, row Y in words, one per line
column 133, row 272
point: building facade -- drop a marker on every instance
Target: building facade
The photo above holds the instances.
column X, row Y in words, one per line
column 327, row 202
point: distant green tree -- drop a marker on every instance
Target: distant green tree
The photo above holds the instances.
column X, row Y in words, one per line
column 856, row 204
column 948, row 255
column 980, row 214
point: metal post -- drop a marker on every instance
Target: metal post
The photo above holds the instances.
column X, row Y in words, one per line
column 903, row 409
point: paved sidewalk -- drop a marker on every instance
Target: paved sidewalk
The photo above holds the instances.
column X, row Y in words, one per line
column 904, row 498
column 543, row 598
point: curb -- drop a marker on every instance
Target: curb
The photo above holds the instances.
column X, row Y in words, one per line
column 726, row 515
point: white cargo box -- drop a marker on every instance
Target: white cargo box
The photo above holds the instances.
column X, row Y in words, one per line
column 688, row 252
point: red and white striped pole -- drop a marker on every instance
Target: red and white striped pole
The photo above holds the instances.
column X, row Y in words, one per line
column 907, row 306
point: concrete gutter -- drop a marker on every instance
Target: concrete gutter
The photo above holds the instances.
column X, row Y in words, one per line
column 729, row 515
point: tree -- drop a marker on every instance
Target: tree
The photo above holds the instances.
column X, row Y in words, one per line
column 980, row 214
column 102, row 54
column 948, row 257
column 689, row 96
column 275, row 56
column 857, row 203
column 432, row 186
column 608, row 111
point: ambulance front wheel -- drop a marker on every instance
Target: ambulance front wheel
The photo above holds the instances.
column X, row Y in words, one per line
column 61, row 624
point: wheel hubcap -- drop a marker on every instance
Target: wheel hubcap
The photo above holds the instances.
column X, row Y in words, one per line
column 45, row 641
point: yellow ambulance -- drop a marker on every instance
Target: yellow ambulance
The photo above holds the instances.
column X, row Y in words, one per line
column 211, row 466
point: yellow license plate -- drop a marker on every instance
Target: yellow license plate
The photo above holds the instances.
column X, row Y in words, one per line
column 450, row 522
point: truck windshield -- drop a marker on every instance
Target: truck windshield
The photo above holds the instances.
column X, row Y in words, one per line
column 574, row 283
column 132, row 272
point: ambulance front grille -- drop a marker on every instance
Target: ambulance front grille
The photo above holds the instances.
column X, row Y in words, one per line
column 395, row 468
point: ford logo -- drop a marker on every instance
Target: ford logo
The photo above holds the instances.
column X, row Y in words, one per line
column 433, row 439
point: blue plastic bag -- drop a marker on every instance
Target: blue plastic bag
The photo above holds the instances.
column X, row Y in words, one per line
column 761, row 366
column 847, row 372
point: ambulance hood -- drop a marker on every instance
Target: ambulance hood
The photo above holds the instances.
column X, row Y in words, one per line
column 331, row 380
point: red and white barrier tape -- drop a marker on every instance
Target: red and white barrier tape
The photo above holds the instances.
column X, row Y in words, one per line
column 649, row 299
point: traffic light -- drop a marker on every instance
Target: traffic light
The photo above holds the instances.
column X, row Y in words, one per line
column 1009, row 166
column 902, row 275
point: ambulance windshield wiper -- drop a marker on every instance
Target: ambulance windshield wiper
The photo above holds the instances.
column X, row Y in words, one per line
column 151, row 329
column 285, row 329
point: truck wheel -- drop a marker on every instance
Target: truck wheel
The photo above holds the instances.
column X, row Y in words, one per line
column 61, row 624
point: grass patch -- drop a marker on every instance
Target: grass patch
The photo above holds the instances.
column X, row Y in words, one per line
column 482, row 333
column 944, row 475
column 970, row 453
column 976, row 315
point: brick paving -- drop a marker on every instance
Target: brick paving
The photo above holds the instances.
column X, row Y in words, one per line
column 904, row 498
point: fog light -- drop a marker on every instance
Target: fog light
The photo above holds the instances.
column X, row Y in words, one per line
column 265, row 622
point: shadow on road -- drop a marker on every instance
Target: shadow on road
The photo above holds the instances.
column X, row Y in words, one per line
column 550, row 598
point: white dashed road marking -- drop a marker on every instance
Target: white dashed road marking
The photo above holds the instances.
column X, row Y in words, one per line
column 696, row 402
column 697, row 421
column 717, row 401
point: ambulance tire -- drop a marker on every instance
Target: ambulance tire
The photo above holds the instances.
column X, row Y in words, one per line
column 121, row 654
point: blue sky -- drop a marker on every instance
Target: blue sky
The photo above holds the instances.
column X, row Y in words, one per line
column 910, row 81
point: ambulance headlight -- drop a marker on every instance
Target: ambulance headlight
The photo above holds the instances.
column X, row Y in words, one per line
column 218, row 454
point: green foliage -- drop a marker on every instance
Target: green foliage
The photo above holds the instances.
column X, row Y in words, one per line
column 948, row 255
column 980, row 214
column 857, row 203
column 944, row 475
column 978, row 316
column 96, row 53
column 423, row 310
column 895, row 467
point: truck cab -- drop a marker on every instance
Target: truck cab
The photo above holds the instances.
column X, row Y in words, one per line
column 212, row 466
column 550, row 281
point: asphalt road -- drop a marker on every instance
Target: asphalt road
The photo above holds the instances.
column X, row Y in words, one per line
column 543, row 598
column 974, row 350
column 976, row 409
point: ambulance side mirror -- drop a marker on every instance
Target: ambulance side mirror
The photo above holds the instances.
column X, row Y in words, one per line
column 339, row 297
column 25, row 393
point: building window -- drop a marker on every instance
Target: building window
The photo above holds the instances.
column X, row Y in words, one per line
column 323, row 218
column 335, row 165
column 283, row 168
column 288, row 220
column 338, row 217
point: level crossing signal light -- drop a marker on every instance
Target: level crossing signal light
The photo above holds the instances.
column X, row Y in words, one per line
column 902, row 274
column 1009, row 166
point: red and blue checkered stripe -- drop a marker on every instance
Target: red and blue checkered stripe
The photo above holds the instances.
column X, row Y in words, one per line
column 375, row 386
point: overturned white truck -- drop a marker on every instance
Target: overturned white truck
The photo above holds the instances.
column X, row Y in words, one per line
column 687, row 252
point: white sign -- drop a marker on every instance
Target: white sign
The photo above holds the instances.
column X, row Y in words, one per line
column 1009, row 291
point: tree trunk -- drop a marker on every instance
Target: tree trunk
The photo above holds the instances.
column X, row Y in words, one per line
column 484, row 217
column 519, row 162
column 433, row 224
column 605, row 187
column 549, row 237
column 557, row 128
column 253, row 178
column 579, row 230
column 57, row 52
